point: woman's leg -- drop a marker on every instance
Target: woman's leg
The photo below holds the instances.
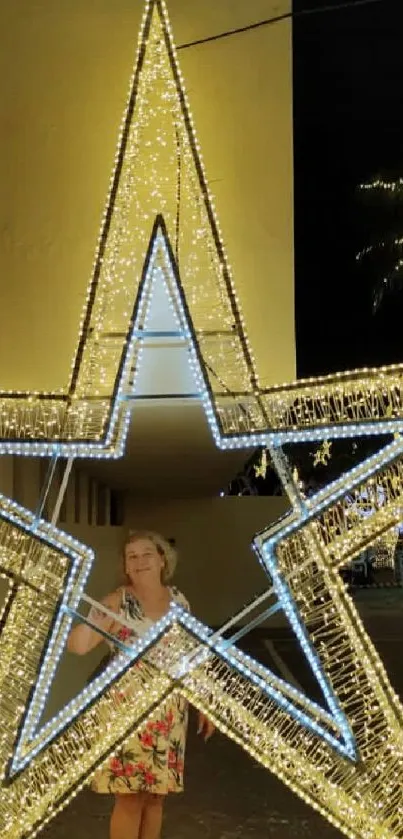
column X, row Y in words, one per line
column 126, row 816
column 151, row 819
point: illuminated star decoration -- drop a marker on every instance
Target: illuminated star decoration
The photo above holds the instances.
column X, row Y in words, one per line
column 323, row 453
column 344, row 756
column 261, row 467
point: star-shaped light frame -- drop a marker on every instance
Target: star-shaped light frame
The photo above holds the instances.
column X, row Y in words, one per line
column 345, row 759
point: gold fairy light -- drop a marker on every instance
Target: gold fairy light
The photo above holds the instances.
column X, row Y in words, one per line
column 158, row 173
column 346, row 761
column 343, row 756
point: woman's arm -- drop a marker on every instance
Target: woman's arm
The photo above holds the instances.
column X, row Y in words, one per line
column 82, row 638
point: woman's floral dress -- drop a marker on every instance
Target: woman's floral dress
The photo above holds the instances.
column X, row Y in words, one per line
column 152, row 759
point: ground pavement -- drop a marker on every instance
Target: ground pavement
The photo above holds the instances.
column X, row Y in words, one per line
column 228, row 795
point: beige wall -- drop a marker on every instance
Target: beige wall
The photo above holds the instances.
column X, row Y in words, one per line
column 65, row 68
column 217, row 570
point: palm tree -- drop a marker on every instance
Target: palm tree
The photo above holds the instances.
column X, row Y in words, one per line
column 382, row 255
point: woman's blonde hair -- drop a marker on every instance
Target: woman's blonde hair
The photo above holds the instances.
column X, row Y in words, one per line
column 163, row 547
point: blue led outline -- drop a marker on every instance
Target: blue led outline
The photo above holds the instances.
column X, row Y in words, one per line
column 159, row 244
column 346, row 748
column 116, row 425
column 49, row 664
column 226, row 653
column 322, row 432
column 89, row 694
column 70, row 544
column 26, row 447
column 272, row 685
column 314, row 505
column 391, row 452
column 232, row 655
column 270, row 564
column 154, row 272
column 245, row 440
column 288, row 604
column 80, row 561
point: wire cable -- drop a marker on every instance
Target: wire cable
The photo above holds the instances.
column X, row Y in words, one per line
column 278, row 19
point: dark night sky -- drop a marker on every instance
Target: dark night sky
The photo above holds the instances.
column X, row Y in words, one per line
column 348, row 113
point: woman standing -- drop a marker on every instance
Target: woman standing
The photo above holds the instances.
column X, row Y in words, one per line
column 150, row 764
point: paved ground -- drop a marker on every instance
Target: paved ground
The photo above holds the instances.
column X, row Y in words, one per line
column 227, row 795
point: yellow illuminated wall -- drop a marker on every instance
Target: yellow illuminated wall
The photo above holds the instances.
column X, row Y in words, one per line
column 65, row 74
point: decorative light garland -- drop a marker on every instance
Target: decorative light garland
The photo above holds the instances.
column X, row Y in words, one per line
column 345, row 758
column 394, row 190
column 157, row 145
column 385, row 186
column 157, row 137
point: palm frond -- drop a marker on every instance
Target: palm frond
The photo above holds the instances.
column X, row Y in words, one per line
column 382, row 258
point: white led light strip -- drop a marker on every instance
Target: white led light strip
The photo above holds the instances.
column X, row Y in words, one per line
column 346, row 759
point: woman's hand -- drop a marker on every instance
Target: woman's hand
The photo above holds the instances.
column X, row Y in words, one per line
column 83, row 638
column 205, row 727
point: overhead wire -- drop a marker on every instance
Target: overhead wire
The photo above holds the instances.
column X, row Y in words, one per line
column 334, row 7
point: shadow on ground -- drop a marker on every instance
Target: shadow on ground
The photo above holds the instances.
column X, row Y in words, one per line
column 227, row 796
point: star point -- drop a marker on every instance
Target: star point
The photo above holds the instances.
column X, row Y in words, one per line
column 346, row 758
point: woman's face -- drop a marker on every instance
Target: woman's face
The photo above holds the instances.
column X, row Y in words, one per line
column 143, row 563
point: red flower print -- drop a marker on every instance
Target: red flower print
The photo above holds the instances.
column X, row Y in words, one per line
column 124, row 633
column 174, row 763
column 162, row 727
column 129, row 770
column 149, row 778
column 140, row 767
column 146, row 739
column 169, row 719
column 117, row 767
